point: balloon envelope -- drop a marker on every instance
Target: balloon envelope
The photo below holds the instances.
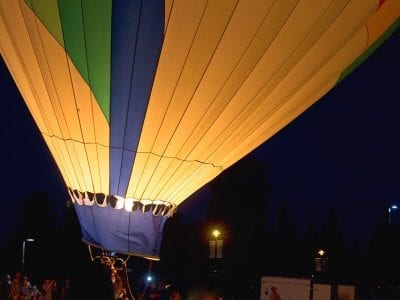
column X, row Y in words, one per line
column 141, row 103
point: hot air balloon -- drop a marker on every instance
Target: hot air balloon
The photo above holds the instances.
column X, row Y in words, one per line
column 141, row 103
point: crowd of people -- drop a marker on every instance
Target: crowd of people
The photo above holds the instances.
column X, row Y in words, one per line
column 159, row 292
column 20, row 288
column 112, row 287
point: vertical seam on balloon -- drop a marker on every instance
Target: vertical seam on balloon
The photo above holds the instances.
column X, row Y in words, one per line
column 110, row 116
column 229, row 76
column 87, row 67
column 58, row 98
column 367, row 41
column 170, row 100
column 109, row 129
column 169, row 16
column 194, row 92
column 129, row 95
column 37, row 61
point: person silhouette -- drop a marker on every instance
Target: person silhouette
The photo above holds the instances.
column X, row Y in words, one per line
column 274, row 294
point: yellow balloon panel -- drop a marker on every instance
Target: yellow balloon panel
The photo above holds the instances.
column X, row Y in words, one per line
column 168, row 8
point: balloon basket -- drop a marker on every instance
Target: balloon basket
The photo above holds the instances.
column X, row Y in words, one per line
column 117, row 269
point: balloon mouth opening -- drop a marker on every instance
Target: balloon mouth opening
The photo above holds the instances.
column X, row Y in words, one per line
column 137, row 254
column 156, row 207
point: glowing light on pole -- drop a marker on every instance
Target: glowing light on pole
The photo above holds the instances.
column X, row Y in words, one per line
column 390, row 209
column 216, row 233
column 216, row 244
column 320, row 261
column 23, row 254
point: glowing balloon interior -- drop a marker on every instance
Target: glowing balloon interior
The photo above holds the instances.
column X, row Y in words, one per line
column 141, row 103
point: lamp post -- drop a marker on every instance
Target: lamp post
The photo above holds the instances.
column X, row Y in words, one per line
column 216, row 255
column 217, row 271
column 320, row 261
column 23, row 253
column 390, row 209
column 216, row 233
column 216, row 244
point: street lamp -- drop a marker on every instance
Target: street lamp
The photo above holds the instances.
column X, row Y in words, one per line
column 23, row 253
column 320, row 261
column 216, row 244
column 390, row 209
column 216, row 257
column 216, row 233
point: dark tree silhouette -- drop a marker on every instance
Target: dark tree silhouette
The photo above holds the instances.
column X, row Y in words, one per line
column 285, row 254
column 36, row 221
column 239, row 206
column 311, row 246
column 37, row 218
column 72, row 252
column 380, row 253
column 183, row 251
column 332, row 242
column 356, row 265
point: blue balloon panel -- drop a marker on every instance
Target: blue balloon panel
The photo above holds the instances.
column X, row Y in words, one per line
column 136, row 232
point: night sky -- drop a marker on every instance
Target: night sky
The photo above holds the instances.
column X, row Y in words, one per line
column 342, row 153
